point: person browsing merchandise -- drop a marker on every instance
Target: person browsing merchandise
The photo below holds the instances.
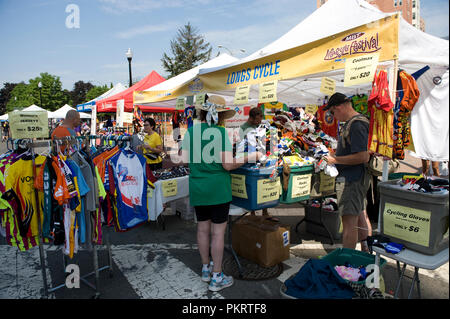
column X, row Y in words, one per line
column 152, row 147
column 350, row 159
column 67, row 127
column 208, row 151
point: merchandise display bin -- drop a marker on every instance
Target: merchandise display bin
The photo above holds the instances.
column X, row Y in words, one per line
column 417, row 220
column 330, row 219
column 356, row 258
column 299, row 185
column 252, row 189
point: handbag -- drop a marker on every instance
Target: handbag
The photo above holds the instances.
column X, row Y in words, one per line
column 375, row 166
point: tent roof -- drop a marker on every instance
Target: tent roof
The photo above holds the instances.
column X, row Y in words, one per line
column 31, row 108
column 62, row 111
column 119, row 87
column 340, row 16
column 109, row 104
column 182, row 79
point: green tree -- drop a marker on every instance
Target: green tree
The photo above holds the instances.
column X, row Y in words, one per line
column 189, row 49
column 5, row 95
column 53, row 96
column 20, row 97
column 80, row 89
column 96, row 91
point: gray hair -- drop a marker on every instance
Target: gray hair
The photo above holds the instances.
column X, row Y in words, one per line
column 72, row 114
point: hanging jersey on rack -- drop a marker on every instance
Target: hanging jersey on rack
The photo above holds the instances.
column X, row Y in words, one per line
column 189, row 114
column 269, row 109
column 19, row 179
column 328, row 123
column 359, row 103
column 130, row 184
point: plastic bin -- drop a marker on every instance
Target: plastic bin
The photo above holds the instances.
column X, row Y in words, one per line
column 330, row 219
column 257, row 191
column 417, row 220
column 299, row 185
column 340, row 256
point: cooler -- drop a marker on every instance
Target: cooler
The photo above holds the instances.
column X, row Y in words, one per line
column 417, row 220
column 252, row 189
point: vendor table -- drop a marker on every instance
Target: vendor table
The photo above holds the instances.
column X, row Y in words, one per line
column 165, row 191
column 415, row 259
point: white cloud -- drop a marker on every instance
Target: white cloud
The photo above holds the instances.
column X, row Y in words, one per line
column 146, row 29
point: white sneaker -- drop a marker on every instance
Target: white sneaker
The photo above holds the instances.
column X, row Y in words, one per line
column 206, row 274
column 216, row 285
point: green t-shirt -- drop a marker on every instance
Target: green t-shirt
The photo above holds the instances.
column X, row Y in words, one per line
column 209, row 182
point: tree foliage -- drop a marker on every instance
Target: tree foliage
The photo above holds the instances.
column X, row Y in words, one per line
column 189, row 50
column 96, row 91
column 78, row 94
column 5, row 95
column 53, row 96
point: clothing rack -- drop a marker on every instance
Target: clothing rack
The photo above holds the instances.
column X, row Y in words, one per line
column 57, row 141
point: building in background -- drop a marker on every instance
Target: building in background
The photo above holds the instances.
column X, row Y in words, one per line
column 410, row 10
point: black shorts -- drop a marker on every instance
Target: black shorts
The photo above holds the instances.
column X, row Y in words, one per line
column 218, row 214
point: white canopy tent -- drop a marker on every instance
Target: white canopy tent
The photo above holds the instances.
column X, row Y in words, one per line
column 416, row 50
column 61, row 113
column 87, row 107
column 31, row 108
column 180, row 80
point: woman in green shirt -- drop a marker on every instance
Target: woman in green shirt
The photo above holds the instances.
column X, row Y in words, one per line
column 207, row 149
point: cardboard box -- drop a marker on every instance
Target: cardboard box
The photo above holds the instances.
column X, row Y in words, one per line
column 260, row 240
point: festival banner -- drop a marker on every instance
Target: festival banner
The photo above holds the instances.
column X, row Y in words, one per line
column 323, row 55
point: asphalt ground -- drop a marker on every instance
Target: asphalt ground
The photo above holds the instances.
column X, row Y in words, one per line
column 162, row 263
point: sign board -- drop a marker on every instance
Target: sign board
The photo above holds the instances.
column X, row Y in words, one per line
column 326, row 183
column 406, row 223
column 328, row 86
column 94, row 121
column 200, row 99
column 238, row 188
column 301, row 185
column 179, row 103
column 169, row 188
column 28, row 124
column 241, row 94
column 268, row 190
column 127, row 117
column 360, row 69
column 268, row 91
column 311, row 108
column 119, row 112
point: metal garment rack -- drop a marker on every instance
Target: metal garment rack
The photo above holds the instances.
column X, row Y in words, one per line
column 47, row 290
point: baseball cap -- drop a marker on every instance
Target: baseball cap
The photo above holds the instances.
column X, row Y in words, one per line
column 336, row 99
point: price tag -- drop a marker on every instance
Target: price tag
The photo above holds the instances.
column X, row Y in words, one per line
column 301, row 185
column 267, row 190
column 127, row 117
column 200, row 99
column 326, row 183
column 28, row 124
column 268, row 92
column 238, row 188
column 311, row 108
column 361, row 69
column 169, row 188
column 328, row 86
column 179, row 103
column 241, row 94
column 406, row 223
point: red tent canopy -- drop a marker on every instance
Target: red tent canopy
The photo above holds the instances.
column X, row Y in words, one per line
column 109, row 104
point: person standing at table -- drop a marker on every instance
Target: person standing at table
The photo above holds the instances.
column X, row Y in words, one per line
column 207, row 149
column 426, row 167
column 152, row 147
column 350, row 159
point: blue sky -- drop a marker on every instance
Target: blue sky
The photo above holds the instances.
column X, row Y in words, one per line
column 35, row 38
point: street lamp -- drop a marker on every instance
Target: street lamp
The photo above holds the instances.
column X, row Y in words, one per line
column 231, row 53
column 129, row 55
column 40, row 92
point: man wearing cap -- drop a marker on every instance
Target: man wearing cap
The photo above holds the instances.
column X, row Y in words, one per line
column 350, row 159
